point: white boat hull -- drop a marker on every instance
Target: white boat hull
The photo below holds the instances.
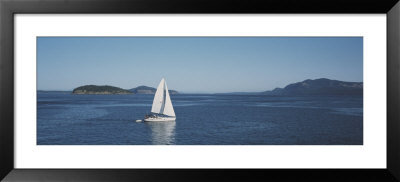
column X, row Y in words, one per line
column 159, row 119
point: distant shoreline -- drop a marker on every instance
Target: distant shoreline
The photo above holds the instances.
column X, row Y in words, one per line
column 322, row 86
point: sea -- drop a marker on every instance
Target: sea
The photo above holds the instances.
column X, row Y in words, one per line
column 202, row 119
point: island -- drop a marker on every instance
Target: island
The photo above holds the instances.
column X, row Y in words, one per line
column 322, row 86
column 148, row 90
column 104, row 89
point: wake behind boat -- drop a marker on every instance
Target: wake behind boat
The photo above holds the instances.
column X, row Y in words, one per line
column 161, row 109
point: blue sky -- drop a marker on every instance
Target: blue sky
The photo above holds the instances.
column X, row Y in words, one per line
column 196, row 64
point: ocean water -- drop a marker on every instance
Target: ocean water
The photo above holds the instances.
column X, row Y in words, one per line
column 202, row 119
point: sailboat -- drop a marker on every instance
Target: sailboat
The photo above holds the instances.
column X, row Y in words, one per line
column 161, row 109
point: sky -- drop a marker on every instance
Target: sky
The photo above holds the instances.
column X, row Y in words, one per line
column 196, row 64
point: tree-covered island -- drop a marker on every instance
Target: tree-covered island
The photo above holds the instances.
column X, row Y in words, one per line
column 95, row 89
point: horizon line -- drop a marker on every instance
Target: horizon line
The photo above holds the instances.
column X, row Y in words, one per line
column 197, row 92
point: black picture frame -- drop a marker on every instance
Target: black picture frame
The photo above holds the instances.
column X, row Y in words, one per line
column 8, row 8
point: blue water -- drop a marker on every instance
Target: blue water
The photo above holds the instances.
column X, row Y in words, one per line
column 66, row 119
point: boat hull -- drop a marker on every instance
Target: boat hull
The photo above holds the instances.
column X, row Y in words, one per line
column 159, row 119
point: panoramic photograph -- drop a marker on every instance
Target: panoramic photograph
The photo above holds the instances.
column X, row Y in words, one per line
column 199, row 91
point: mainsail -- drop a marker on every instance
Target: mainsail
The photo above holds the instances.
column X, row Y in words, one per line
column 158, row 102
column 162, row 102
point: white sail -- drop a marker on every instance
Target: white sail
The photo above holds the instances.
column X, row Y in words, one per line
column 168, row 109
column 158, row 102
